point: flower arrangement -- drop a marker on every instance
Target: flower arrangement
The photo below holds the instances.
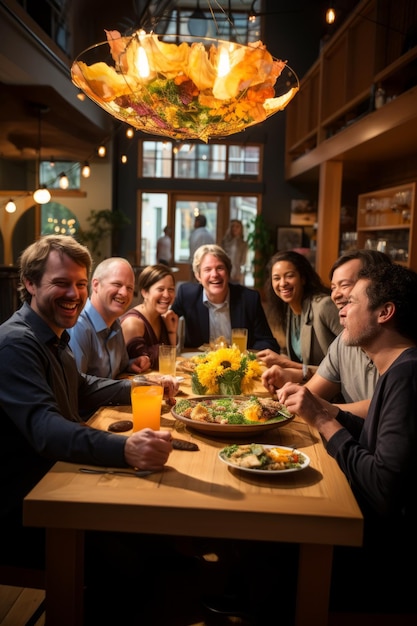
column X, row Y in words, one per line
column 182, row 90
column 225, row 371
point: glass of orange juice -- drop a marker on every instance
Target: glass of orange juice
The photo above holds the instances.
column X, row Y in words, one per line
column 146, row 404
column 240, row 338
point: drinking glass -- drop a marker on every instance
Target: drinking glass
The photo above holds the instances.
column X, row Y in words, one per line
column 167, row 359
column 146, row 404
column 240, row 338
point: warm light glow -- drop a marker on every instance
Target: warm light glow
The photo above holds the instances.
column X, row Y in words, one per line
column 10, row 206
column 142, row 63
column 330, row 15
column 63, row 181
column 130, row 133
column 42, row 195
column 101, row 151
column 81, row 96
column 123, row 158
column 86, row 170
column 224, row 63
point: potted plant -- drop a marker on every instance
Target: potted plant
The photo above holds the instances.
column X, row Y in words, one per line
column 259, row 241
column 102, row 225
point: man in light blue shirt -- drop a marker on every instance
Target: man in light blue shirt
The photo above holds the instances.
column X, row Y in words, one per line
column 97, row 339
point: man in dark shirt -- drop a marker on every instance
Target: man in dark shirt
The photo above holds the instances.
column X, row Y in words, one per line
column 42, row 392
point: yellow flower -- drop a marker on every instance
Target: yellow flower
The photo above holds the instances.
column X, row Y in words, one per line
column 225, row 370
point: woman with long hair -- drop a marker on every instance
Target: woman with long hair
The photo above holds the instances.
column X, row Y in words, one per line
column 151, row 322
column 237, row 250
column 299, row 303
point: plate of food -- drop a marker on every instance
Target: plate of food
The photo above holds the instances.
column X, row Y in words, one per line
column 223, row 415
column 260, row 458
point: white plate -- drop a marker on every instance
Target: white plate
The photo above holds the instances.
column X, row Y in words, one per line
column 264, row 472
column 189, row 355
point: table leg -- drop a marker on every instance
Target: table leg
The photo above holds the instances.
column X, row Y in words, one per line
column 313, row 586
column 64, row 577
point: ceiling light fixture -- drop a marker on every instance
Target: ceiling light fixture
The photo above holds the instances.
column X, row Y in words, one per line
column 184, row 87
column 63, row 181
column 86, row 170
column 330, row 15
column 41, row 195
column 10, row 206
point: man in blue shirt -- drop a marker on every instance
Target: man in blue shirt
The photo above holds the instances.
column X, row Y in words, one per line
column 97, row 339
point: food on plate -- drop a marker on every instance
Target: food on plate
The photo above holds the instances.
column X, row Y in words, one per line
column 232, row 410
column 259, row 457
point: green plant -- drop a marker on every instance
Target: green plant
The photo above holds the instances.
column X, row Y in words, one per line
column 102, row 224
column 259, row 241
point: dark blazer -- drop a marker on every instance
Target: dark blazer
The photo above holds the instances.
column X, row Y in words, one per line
column 245, row 312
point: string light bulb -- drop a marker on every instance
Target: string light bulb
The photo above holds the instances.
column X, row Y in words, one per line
column 10, row 206
column 330, row 15
column 86, row 170
column 63, row 181
column 130, row 132
column 101, row 151
column 123, row 158
column 42, row 195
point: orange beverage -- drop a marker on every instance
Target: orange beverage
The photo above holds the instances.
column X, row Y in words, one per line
column 240, row 338
column 146, row 406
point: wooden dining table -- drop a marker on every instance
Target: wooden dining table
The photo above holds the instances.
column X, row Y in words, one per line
column 197, row 495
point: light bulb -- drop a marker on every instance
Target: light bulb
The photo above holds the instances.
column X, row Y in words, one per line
column 86, row 171
column 224, row 63
column 63, row 181
column 123, row 158
column 101, row 151
column 142, row 63
column 42, row 195
column 10, row 206
column 130, row 132
column 330, row 15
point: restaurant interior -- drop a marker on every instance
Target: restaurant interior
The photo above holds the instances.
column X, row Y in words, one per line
column 336, row 168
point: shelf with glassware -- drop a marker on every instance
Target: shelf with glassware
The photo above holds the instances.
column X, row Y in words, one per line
column 385, row 222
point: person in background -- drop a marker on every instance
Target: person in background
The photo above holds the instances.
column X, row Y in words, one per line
column 300, row 304
column 164, row 247
column 346, row 372
column 42, row 392
column 214, row 306
column 96, row 339
column 237, row 250
column 151, row 322
column 377, row 455
column 199, row 236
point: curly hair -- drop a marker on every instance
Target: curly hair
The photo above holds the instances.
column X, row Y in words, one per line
column 312, row 284
column 34, row 258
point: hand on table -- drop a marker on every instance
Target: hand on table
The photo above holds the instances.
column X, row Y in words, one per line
column 275, row 377
column 148, row 449
column 140, row 365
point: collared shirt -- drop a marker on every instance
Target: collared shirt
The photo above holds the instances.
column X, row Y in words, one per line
column 98, row 349
column 219, row 318
column 41, row 393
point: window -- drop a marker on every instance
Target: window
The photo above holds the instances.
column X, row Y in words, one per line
column 191, row 161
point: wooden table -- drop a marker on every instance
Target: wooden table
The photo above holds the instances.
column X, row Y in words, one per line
column 197, row 495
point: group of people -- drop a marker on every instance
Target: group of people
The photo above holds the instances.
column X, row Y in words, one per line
column 350, row 369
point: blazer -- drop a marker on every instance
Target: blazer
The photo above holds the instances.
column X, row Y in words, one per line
column 246, row 311
column 320, row 325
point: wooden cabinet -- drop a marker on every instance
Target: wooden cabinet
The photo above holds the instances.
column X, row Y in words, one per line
column 385, row 221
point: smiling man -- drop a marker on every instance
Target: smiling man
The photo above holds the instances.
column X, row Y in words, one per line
column 214, row 306
column 97, row 339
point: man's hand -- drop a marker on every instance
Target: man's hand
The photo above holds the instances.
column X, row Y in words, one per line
column 275, row 377
column 269, row 357
column 148, row 449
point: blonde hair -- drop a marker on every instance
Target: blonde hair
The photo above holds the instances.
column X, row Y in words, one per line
column 215, row 250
